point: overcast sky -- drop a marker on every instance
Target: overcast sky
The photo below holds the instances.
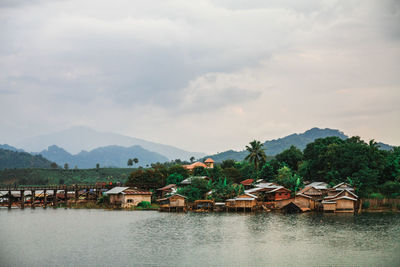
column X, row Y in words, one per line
column 201, row 75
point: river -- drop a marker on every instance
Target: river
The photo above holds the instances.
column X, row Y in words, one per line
column 82, row 237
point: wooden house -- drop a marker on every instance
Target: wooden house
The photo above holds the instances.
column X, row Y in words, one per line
column 343, row 201
column 339, row 188
column 173, row 203
column 268, row 194
column 242, row 203
column 126, row 197
column 203, row 205
column 168, row 189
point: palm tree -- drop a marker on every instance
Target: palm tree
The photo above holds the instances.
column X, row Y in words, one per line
column 256, row 153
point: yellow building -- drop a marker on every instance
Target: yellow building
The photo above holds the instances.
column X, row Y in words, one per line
column 126, row 197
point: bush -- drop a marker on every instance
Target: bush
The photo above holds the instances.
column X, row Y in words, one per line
column 377, row 196
column 365, row 205
column 144, row 204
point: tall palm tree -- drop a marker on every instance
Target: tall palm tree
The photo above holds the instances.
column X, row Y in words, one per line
column 256, row 153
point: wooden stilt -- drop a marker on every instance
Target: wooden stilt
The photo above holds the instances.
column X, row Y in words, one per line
column 9, row 199
column 76, row 195
column 66, row 197
column 45, row 198
column 55, row 198
column 33, row 199
column 22, row 199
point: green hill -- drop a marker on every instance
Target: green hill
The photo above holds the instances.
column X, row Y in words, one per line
column 14, row 159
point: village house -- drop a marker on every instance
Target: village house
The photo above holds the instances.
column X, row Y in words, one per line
column 242, row 203
column 343, row 201
column 208, row 163
column 168, row 189
column 126, row 197
column 201, row 205
column 316, row 190
column 270, row 192
column 173, row 203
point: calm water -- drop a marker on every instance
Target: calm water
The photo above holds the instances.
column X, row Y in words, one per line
column 60, row 237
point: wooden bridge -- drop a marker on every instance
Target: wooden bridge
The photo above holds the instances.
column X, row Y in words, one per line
column 51, row 194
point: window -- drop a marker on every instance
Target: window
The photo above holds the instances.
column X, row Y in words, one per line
column 130, row 200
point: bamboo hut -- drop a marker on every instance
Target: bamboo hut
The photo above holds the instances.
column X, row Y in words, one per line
column 203, row 205
column 243, row 202
column 173, row 203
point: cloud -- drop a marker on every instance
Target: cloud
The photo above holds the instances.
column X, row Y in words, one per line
column 245, row 69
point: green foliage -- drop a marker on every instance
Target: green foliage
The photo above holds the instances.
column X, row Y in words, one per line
column 377, row 196
column 130, row 162
column 196, row 190
column 229, row 163
column 178, row 169
column 391, row 189
column 232, row 174
column 289, row 179
column 175, row 178
column 200, row 171
column 366, row 205
column 13, row 159
column 222, row 190
column 146, row 177
column 291, row 157
column 267, row 172
column 144, row 204
column 71, row 176
column 256, row 154
column 104, row 199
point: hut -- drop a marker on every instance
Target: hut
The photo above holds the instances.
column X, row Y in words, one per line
column 209, row 162
column 242, row 203
column 126, row 197
column 173, row 203
column 201, row 205
column 168, row 189
column 343, row 201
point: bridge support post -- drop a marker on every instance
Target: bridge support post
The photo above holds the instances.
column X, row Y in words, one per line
column 45, row 198
column 22, row 199
column 87, row 193
column 55, row 198
column 76, row 195
column 9, row 199
column 66, row 197
column 33, row 199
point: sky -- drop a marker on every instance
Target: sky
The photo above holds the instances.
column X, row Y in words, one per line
column 201, row 75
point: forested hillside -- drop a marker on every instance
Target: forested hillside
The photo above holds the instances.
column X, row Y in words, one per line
column 14, row 159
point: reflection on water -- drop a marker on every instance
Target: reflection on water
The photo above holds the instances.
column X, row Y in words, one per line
column 59, row 237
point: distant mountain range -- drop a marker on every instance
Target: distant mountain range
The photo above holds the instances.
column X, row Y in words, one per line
column 11, row 159
column 108, row 156
column 276, row 146
column 76, row 139
column 118, row 155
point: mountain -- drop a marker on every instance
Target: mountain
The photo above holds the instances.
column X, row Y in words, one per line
column 80, row 138
column 8, row 147
column 13, row 159
column 276, row 146
column 108, row 156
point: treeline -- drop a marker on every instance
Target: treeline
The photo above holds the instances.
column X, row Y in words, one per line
column 373, row 172
column 15, row 159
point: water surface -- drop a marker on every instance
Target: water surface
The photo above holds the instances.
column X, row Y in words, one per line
column 71, row 237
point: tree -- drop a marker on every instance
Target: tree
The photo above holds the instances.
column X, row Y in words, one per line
column 289, row 180
column 135, row 160
column 66, row 166
column 292, row 157
column 196, row 190
column 192, row 159
column 256, row 153
column 200, row 171
column 54, row 165
column 228, row 163
column 130, row 163
column 175, row 178
column 267, row 172
column 97, row 166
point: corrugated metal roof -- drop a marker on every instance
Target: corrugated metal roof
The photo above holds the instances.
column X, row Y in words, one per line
column 116, row 190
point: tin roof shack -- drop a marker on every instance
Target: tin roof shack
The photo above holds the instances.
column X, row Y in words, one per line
column 173, row 203
column 126, row 197
column 270, row 193
column 203, row 205
column 188, row 180
column 339, row 188
column 344, row 201
column 168, row 189
column 316, row 190
column 242, row 203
